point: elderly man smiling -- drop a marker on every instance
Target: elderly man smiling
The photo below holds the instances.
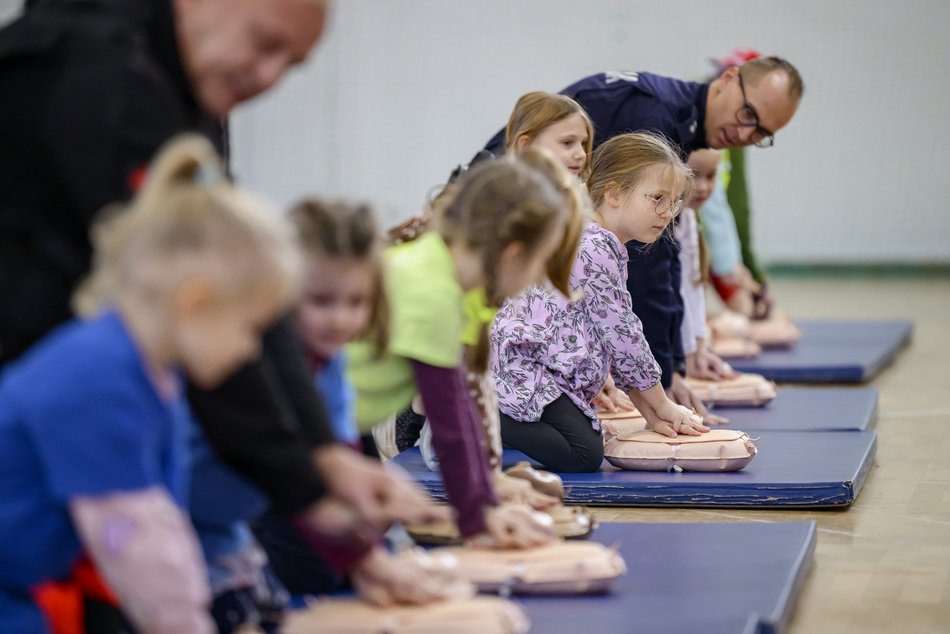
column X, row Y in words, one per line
column 91, row 90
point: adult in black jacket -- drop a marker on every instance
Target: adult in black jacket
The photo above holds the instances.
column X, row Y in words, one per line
column 733, row 110
column 91, row 89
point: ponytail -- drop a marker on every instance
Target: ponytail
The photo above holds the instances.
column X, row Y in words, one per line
column 186, row 215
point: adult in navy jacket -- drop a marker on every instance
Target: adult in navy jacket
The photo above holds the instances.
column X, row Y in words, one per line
column 734, row 110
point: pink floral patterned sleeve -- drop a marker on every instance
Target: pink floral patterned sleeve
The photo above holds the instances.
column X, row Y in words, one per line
column 526, row 354
column 543, row 346
column 604, row 284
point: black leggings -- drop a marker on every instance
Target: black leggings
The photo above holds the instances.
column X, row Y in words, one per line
column 563, row 440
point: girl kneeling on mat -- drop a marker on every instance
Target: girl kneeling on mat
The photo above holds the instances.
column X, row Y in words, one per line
column 552, row 356
column 548, row 131
column 560, row 125
column 496, row 230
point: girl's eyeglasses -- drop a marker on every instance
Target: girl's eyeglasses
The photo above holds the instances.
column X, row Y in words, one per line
column 662, row 203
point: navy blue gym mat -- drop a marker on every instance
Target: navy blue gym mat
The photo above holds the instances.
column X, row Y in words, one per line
column 808, row 409
column 732, row 578
column 832, row 352
column 791, row 470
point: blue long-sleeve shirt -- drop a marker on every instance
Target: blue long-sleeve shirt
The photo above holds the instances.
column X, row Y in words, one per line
column 719, row 228
column 338, row 396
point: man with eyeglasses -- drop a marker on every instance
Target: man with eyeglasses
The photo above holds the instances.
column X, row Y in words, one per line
column 735, row 271
column 736, row 109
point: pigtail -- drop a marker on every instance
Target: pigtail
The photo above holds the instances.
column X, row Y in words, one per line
column 562, row 262
column 479, row 356
column 577, row 204
column 703, row 258
column 365, row 243
column 188, row 161
column 116, row 226
column 108, row 235
column 185, row 211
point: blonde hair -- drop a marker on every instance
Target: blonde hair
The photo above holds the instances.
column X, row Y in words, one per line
column 561, row 263
column 340, row 230
column 536, row 111
column 188, row 221
column 497, row 203
column 623, row 160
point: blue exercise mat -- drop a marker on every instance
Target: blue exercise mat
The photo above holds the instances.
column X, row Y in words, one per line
column 690, row 578
column 735, row 578
column 808, row 409
column 802, row 469
column 832, row 352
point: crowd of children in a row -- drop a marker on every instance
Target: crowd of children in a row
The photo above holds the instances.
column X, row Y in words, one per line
column 501, row 314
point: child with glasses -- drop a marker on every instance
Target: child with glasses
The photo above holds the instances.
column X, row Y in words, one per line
column 734, row 269
column 552, row 355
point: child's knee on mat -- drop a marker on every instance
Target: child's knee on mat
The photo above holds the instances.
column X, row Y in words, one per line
column 586, row 459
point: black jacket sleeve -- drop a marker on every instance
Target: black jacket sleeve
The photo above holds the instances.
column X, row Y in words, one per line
column 650, row 282
column 265, row 420
column 79, row 120
column 676, row 278
column 497, row 143
column 86, row 106
column 285, row 351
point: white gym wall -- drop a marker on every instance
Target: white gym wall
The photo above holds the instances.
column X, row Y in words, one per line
column 9, row 9
column 400, row 91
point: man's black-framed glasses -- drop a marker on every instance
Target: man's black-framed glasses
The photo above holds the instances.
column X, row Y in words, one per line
column 748, row 117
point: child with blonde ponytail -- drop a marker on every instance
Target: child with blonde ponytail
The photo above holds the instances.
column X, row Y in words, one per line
column 93, row 422
column 495, row 231
column 553, row 134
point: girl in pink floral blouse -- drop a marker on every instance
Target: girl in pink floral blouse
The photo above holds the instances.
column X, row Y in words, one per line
column 551, row 357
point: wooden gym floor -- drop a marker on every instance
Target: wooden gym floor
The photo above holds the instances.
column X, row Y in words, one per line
column 884, row 564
